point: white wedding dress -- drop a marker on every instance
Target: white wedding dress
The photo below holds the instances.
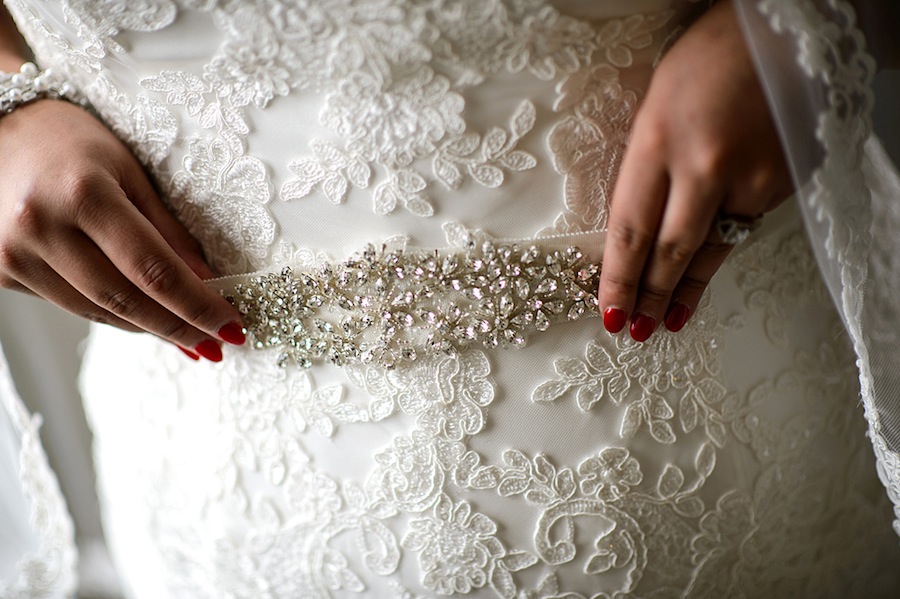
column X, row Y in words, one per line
column 728, row 460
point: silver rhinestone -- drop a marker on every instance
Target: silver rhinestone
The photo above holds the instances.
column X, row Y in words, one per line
column 576, row 311
column 555, row 307
column 546, row 286
column 449, row 265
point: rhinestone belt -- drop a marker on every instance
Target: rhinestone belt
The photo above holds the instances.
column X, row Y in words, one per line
column 389, row 307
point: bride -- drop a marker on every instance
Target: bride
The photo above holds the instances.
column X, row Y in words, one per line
column 374, row 231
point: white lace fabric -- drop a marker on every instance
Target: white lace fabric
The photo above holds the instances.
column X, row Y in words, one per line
column 728, row 460
column 848, row 188
column 37, row 539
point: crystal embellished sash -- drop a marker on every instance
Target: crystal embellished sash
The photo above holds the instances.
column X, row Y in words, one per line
column 389, row 307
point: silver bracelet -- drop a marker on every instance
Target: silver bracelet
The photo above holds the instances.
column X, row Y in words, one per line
column 30, row 84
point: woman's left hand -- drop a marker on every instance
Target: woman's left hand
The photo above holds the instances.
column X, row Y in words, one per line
column 703, row 145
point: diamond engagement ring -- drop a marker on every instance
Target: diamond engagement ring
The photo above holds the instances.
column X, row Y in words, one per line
column 734, row 229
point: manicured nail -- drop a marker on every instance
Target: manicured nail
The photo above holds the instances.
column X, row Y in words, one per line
column 614, row 320
column 189, row 354
column 210, row 350
column 677, row 317
column 232, row 333
column 642, row 327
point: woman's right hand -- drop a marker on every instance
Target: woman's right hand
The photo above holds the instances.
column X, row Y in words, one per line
column 82, row 226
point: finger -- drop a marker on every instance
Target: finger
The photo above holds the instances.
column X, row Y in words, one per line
column 750, row 199
column 91, row 272
column 685, row 226
column 189, row 353
column 687, row 294
column 142, row 194
column 635, row 213
column 8, row 281
column 34, row 277
column 50, row 286
column 139, row 252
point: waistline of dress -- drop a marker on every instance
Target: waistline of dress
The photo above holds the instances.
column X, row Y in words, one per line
column 388, row 306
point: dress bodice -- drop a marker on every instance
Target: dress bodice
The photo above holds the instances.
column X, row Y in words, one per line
column 325, row 126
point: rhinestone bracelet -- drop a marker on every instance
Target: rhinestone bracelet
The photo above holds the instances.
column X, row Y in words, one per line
column 393, row 307
column 30, row 84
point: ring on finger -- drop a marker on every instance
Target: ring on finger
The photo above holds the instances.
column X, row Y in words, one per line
column 734, row 229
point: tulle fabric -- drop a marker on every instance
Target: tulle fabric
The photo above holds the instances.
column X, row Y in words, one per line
column 815, row 59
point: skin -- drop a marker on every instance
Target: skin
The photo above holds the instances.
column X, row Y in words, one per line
column 703, row 143
column 82, row 226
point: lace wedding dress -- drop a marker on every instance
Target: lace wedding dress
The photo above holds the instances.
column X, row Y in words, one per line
column 727, row 460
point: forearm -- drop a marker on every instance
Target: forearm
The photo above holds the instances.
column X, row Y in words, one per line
column 13, row 49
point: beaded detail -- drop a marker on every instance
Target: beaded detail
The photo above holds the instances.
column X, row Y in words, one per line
column 30, row 84
column 390, row 307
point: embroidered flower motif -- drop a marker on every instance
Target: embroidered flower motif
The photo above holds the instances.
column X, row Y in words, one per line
column 601, row 376
column 456, row 547
column 101, row 22
column 286, row 253
column 469, row 32
column 311, row 30
column 314, row 497
column 647, row 378
column 485, row 157
column 671, row 360
column 618, row 37
column 610, row 475
column 251, row 66
column 765, row 267
column 222, row 199
column 146, row 125
column 732, row 519
column 411, row 473
column 319, row 408
column 615, row 550
column 334, row 169
column 547, row 43
column 446, row 393
column 240, row 384
column 282, row 562
column 394, row 122
column 539, row 480
column 588, row 148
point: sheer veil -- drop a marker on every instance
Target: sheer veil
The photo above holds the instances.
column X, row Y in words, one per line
column 815, row 59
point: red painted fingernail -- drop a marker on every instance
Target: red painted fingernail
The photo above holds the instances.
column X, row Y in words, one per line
column 614, row 320
column 189, row 354
column 677, row 317
column 642, row 327
column 233, row 333
column 210, row 350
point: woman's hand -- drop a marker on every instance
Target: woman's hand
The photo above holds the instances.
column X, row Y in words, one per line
column 703, row 144
column 81, row 226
